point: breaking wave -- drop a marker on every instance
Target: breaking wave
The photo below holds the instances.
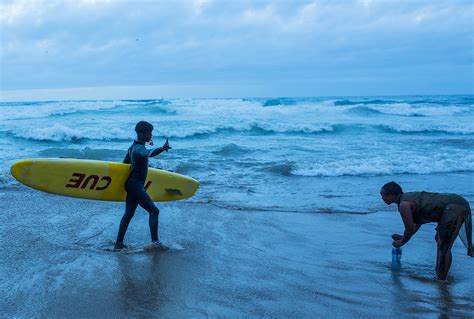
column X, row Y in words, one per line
column 231, row 150
column 32, row 110
column 408, row 128
column 63, row 133
column 386, row 166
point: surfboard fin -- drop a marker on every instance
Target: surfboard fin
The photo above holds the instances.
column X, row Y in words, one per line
column 173, row 191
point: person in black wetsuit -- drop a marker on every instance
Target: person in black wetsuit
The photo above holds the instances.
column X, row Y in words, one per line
column 137, row 156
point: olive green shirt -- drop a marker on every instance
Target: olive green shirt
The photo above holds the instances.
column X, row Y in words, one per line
column 430, row 207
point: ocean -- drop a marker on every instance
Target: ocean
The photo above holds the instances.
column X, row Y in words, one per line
column 288, row 221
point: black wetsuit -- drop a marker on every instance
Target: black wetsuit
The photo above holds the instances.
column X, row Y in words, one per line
column 137, row 156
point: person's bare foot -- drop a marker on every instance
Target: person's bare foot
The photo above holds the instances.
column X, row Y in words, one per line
column 155, row 245
column 119, row 246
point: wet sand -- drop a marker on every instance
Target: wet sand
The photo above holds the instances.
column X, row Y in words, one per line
column 56, row 262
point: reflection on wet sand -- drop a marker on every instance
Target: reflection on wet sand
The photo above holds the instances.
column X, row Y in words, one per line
column 417, row 292
column 446, row 304
column 139, row 284
column 235, row 264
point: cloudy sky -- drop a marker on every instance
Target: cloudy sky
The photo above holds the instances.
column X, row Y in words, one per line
column 147, row 49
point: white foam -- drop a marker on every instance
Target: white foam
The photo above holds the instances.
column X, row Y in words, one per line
column 387, row 165
column 6, row 179
column 406, row 109
column 60, row 132
column 173, row 246
column 459, row 126
column 41, row 110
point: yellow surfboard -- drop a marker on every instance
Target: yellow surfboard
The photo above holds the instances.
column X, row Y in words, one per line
column 98, row 180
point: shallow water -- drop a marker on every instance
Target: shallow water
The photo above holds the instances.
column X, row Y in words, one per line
column 57, row 263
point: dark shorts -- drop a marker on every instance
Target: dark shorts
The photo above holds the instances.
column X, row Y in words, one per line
column 449, row 218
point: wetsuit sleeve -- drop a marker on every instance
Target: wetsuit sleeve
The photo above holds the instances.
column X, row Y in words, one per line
column 156, row 151
column 141, row 151
column 126, row 160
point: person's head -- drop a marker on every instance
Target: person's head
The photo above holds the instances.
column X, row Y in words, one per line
column 143, row 130
column 390, row 192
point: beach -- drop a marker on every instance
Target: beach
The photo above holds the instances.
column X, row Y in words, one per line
column 223, row 263
column 288, row 221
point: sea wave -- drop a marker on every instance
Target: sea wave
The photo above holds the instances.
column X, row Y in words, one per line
column 153, row 109
column 62, row 133
column 279, row 101
column 284, row 168
column 6, row 179
column 149, row 102
column 85, row 153
column 231, row 150
column 458, row 142
column 34, row 110
column 185, row 167
column 137, row 108
column 118, row 110
column 255, row 128
column 363, row 102
column 407, row 128
column 42, row 109
column 434, row 100
column 404, row 109
column 386, row 166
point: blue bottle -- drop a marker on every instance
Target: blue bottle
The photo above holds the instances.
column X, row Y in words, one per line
column 396, row 258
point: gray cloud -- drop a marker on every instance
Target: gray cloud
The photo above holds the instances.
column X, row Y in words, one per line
column 358, row 45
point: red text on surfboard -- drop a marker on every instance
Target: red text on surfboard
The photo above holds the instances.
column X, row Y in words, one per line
column 80, row 180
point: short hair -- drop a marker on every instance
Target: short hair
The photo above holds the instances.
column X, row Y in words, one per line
column 143, row 127
column 392, row 188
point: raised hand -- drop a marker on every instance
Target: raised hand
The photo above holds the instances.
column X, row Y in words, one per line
column 166, row 146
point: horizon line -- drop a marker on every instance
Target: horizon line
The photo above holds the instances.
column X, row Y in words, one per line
column 168, row 92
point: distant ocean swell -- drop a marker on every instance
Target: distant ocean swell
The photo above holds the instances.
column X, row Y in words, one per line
column 439, row 100
column 15, row 111
column 404, row 109
column 44, row 110
column 373, row 107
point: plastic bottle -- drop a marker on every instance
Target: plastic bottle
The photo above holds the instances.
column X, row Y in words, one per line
column 396, row 258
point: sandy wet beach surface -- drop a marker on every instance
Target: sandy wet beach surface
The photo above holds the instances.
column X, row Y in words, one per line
column 56, row 262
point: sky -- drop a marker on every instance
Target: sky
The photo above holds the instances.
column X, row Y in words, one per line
column 100, row 49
